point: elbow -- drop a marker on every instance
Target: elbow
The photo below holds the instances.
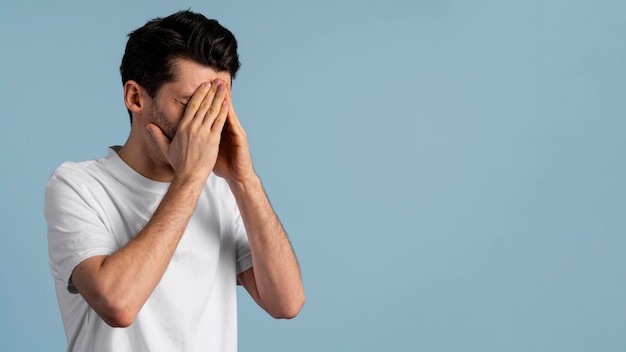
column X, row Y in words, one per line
column 119, row 319
column 286, row 314
column 117, row 315
column 289, row 310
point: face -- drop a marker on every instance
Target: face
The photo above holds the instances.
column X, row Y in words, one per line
column 171, row 100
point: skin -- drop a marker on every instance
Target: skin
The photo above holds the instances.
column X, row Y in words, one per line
column 187, row 131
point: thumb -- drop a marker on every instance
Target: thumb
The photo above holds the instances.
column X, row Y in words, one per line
column 158, row 137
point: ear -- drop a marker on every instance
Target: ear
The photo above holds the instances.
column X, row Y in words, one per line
column 134, row 97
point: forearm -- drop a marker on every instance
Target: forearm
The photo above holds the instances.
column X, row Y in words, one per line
column 276, row 271
column 117, row 286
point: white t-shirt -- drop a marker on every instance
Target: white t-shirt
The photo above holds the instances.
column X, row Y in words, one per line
column 96, row 207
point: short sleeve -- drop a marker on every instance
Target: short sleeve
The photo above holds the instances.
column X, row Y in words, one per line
column 76, row 231
column 242, row 247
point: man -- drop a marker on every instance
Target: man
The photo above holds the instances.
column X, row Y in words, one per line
column 148, row 244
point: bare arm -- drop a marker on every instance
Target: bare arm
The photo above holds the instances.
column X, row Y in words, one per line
column 274, row 281
column 118, row 285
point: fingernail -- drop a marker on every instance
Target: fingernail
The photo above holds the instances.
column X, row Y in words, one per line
column 207, row 84
column 220, row 87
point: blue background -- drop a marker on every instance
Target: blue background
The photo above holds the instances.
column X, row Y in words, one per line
column 451, row 173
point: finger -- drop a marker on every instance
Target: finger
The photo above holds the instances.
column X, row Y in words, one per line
column 215, row 107
column 158, row 137
column 233, row 119
column 205, row 108
column 195, row 103
column 220, row 120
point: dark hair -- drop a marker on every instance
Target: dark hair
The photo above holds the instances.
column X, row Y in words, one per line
column 152, row 49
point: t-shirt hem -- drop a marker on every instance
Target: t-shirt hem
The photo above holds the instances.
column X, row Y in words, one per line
column 244, row 264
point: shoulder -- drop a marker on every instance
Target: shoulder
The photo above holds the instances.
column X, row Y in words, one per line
column 73, row 169
column 78, row 183
column 83, row 171
column 75, row 173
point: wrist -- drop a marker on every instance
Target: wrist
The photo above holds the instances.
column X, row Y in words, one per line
column 246, row 185
column 188, row 181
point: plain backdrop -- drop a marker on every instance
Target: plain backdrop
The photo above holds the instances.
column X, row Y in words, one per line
column 451, row 173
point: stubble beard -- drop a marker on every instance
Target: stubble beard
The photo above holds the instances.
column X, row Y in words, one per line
column 157, row 118
column 168, row 129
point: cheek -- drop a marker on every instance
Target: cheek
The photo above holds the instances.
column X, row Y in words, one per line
column 169, row 129
column 165, row 122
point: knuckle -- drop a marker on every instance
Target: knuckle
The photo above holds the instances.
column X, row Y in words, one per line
column 192, row 105
column 204, row 103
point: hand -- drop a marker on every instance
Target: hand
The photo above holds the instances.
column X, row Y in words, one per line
column 234, row 162
column 194, row 149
